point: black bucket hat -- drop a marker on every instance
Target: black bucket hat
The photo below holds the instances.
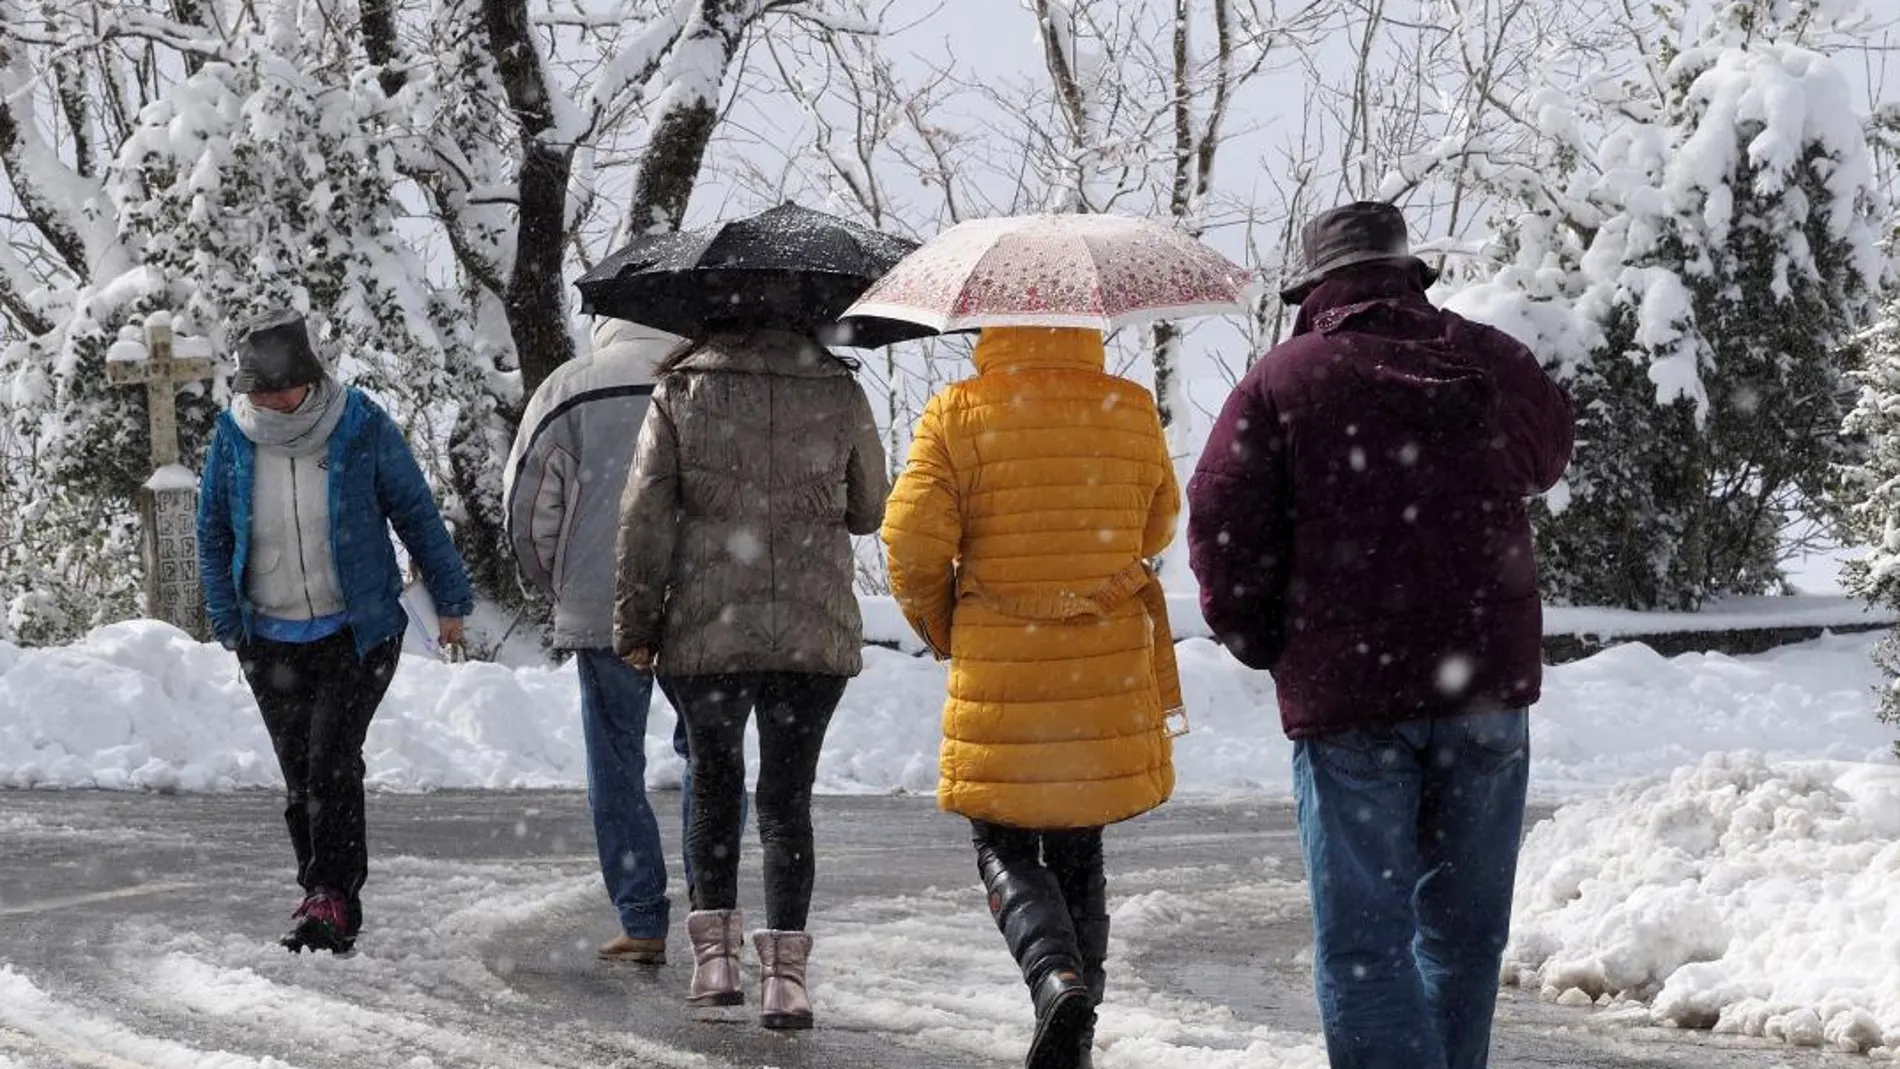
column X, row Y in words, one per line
column 274, row 353
column 1364, row 232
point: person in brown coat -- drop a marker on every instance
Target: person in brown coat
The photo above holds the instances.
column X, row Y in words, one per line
column 757, row 461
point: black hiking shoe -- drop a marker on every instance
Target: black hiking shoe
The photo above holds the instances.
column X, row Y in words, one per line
column 323, row 923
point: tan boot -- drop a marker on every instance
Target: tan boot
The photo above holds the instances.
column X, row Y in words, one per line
column 783, row 1000
column 716, row 935
column 625, row 948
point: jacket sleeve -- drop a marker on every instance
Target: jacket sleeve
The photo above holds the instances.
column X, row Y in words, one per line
column 409, row 506
column 923, row 533
column 1165, row 508
column 538, row 502
column 1536, row 418
column 1240, row 528
column 217, row 542
column 867, row 485
column 649, row 529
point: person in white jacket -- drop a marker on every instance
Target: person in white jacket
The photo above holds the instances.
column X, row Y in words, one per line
column 562, row 490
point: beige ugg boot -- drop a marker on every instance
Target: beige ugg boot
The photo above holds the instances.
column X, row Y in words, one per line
column 783, row 1000
column 716, row 935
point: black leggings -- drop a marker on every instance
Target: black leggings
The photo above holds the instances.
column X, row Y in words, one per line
column 317, row 699
column 794, row 710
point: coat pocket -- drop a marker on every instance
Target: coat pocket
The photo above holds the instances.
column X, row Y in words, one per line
column 265, row 560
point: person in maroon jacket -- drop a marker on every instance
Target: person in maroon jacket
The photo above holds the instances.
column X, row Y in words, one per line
column 1357, row 523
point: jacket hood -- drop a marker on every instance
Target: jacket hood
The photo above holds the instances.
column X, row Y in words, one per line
column 761, row 352
column 1027, row 348
column 1416, row 364
column 615, row 337
column 1330, row 299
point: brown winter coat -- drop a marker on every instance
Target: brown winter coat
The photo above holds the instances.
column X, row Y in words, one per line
column 757, row 461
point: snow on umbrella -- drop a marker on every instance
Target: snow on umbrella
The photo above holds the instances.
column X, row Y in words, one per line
column 1096, row 271
column 789, row 268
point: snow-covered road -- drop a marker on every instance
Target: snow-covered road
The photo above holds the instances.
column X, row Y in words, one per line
column 135, row 931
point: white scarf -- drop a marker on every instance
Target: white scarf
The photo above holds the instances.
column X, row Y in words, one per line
column 299, row 433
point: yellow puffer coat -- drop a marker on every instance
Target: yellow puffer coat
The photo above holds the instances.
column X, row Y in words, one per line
column 1018, row 538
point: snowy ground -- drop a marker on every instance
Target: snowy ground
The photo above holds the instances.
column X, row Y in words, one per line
column 138, row 705
column 1728, row 855
column 483, row 910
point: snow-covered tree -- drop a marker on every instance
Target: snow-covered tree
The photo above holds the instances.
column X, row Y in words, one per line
column 251, row 176
column 1694, row 250
column 415, row 174
column 1868, row 493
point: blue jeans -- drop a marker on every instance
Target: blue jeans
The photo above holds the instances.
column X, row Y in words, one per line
column 1411, row 833
column 614, row 703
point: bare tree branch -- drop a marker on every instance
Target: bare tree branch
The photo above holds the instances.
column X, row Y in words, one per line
column 69, row 87
column 20, row 152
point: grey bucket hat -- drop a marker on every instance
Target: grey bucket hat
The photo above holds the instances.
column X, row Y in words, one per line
column 1363, row 232
column 274, row 353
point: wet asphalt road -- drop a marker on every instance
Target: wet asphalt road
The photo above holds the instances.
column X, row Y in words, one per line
column 83, row 874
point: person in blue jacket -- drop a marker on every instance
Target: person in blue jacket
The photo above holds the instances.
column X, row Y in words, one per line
column 303, row 481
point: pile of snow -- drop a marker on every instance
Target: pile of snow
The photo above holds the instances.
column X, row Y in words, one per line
column 1762, row 613
column 140, row 705
column 1737, row 894
column 884, row 623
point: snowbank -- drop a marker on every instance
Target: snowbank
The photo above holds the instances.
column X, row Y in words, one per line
column 885, row 625
column 1736, row 894
column 139, row 705
column 1722, row 614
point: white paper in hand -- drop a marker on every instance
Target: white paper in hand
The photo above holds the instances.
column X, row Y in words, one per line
column 424, row 623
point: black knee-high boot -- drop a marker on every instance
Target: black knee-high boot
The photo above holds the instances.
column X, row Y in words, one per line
column 1091, row 936
column 1075, row 857
column 1027, row 903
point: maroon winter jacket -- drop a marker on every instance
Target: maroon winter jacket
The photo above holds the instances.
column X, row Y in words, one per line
column 1357, row 520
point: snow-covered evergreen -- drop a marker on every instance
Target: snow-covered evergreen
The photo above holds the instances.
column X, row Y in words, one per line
column 1694, row 255
column 1869, row 490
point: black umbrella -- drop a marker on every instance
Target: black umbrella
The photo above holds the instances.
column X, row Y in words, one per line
column 788, row 268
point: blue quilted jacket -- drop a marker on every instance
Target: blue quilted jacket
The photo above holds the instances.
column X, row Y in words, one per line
column 375, row 484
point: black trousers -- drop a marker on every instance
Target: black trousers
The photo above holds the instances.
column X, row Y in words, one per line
column 794, row 710
column 1048, row 893
column 317, row 699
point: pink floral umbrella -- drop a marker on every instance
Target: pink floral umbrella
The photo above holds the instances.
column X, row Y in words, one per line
column 1095, row 271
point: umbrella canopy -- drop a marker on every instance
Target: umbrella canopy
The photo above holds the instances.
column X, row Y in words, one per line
column 788, row 268
column 1095, row 271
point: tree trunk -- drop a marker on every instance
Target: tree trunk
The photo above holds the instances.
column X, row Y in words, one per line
column 670, row 168
column 483, row 537
column 676, row 146
column 537, row 308
column 537, row 313
column 1166, row 340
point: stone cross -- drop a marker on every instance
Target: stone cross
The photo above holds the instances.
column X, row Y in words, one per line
column 168, row 502
column 160, row 372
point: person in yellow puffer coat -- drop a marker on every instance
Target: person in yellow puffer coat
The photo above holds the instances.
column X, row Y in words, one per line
column 1019, row 537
